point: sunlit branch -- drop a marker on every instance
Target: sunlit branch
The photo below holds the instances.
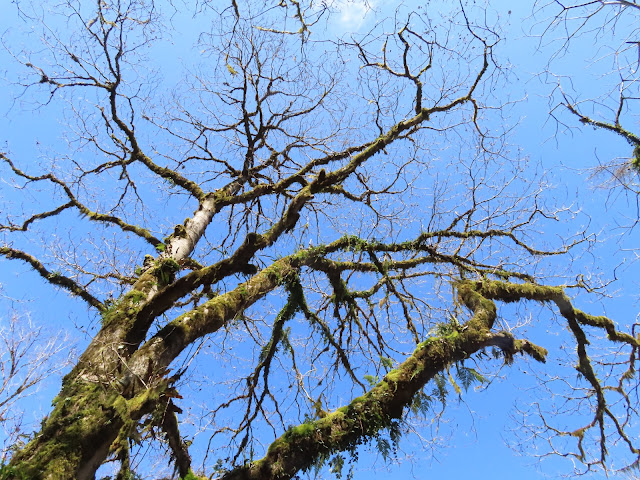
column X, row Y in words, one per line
column 91, row 215
column 300, row 446
column 630, row 137
column 37, row 216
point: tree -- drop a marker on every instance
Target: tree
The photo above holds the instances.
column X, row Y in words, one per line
column 342, row 220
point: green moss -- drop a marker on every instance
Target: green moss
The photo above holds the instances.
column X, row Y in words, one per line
column 136, row 296
column 338, row 415
column 8, row 472
column 275, row 273
column 513, row 292
column 165, row 271
column 417, row 371
column 426, row 342
column 355, row 243
column 635, row 160
column 125, row 309
column 78, row 415
column 394, row 375
column 301, row 430
column 120, row 406
column 193, row 476
column 221, row 195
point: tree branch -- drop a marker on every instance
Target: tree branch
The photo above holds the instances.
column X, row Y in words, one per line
column 55, row 278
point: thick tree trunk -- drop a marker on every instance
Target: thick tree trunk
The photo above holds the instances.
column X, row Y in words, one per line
column 117, row 381
column 75, row 439
column 91, row 420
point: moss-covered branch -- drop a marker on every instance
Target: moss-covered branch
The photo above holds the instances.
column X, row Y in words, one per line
column 74, row 202
column 209, row 317
column 301, row 446
column 172, row 176
column 180, row 452
column 631, row 138
column 576, row 319
column 37, row 216
column 514, row 292
column 54, row 278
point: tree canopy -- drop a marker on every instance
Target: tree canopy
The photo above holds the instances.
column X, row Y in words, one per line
column 292, row 237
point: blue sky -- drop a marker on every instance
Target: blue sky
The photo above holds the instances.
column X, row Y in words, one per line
column 474, row 431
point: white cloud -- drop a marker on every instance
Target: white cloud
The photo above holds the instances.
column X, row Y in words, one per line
column 353, row 12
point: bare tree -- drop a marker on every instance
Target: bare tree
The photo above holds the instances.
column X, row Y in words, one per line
column 322, row 226
column 26, row 356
